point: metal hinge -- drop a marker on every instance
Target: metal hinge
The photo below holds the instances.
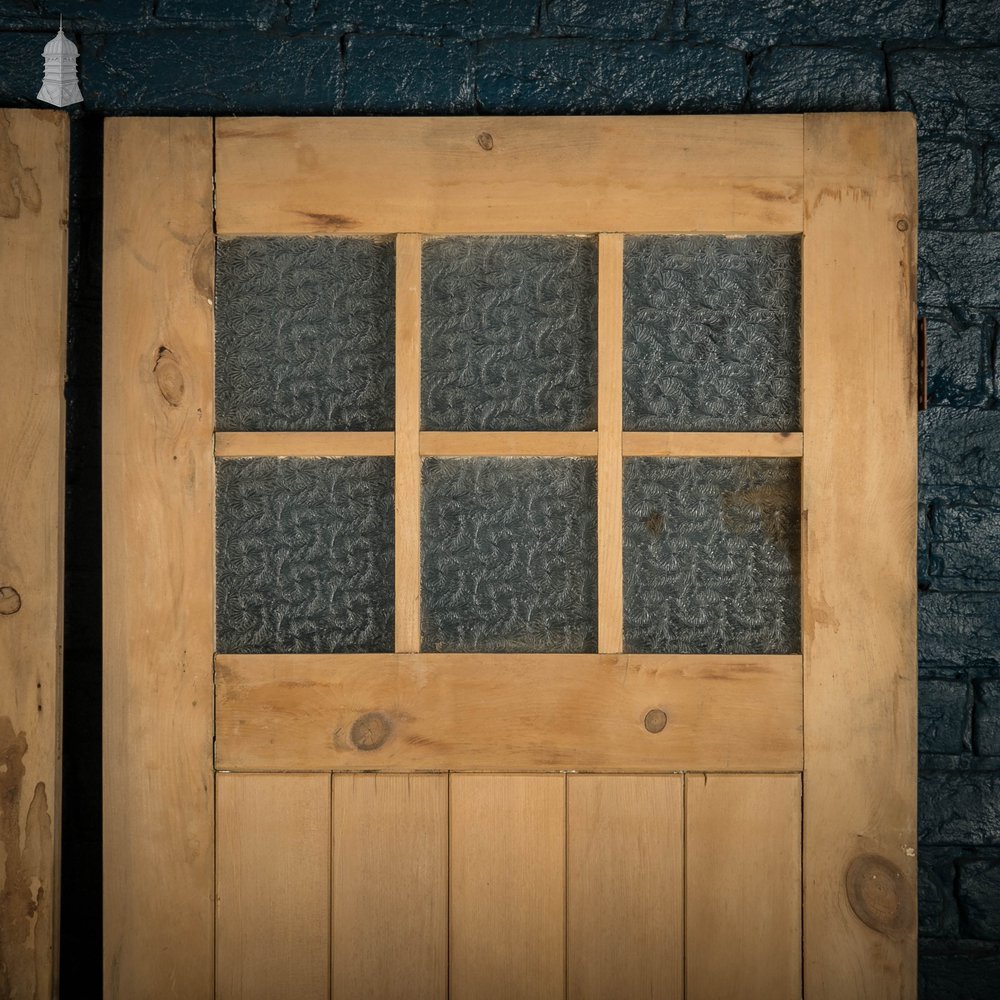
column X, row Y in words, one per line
column 921, row 362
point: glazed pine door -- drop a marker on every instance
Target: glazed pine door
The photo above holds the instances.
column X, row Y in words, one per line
column 509, row 534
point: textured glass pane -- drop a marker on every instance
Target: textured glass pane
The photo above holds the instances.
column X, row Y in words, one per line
column 305, row 332
column 711, row 555
column 509, row 555
column 712, row 333
column 509, row 333
column 304, row 555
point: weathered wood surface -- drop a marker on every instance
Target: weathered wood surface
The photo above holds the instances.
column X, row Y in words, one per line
column 483, row 712
column 510, row 175
column 859, row 595
column 159, row 573
column 34, row 194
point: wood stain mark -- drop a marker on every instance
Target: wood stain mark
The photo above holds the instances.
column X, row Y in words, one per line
column 880, row 896
column 169, row 377
column 25, row 904
column 324, row 220
column 18, row 188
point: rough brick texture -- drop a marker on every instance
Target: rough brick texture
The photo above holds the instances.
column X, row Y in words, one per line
column 937, row 58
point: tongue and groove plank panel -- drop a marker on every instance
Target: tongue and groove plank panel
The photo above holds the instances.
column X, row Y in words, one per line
column 512, row 838
column 34, row 201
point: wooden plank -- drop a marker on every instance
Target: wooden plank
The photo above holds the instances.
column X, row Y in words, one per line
column 510, row 175
column 860, row 499
column 508, row 886
column 306, row 444
column 273, row 886
column 712, row 444
column 483, row 712
column 609, row 450
column 744, row 887
column 625, row 886
column 159, row 262
column 34, row 201
column 452, row 444
column 407, row 552
column 390, row 879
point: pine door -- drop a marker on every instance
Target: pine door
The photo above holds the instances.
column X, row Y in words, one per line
column 509, row 580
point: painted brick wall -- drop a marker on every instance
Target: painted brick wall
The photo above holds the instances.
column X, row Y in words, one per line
column 938, row 58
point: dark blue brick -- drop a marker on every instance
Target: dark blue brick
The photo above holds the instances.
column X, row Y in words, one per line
column 960, row 447
column 959, row 807
column 972, row 21
column 461, row 18
column 966, row 544
column 937, row 905
column 991, row 182
column 818, row 79
column 610, row 18
column 572, row 75
column 407, row 75
column 959, row 628
column 91, row 15
column 757, row 23
column 261, row 13
column 979, row 898
column 947, row 173
column 209, row 72
column 959, row 371
column 965, row 973
column 987, row 719
column 951, row 90
column 960, row 268
column 944, row 715
column 21, row 68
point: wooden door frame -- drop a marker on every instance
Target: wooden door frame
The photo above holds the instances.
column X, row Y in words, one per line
column 847, row 182
column 34, row 208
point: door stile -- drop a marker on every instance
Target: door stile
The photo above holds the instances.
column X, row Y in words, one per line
column 859, row 595
column 407, row 490
column 609, row 443
column 159, row 484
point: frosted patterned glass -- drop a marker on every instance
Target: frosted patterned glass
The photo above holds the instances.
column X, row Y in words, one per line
column 509, row 554
column 712, row 333
column 304, row 555
column 711, row 555
column 509, row 333
column 305, row 331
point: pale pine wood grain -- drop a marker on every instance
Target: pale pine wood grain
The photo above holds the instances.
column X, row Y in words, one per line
column 514, row 443
column 744, row 886
column 711, row 444
column 34, row 192
column 273, row 886
column 159, row 570
column 625, row 886
column 507, row 886
column 609, row 448
column 318, row 444
column 390, row 887
column 482, row 712
column 859, row 589
column 510, row 174
column 407, row 550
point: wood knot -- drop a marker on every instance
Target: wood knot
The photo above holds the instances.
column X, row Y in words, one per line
column 880, row 895
column 10, row 601
column 655, row 721
column 902, row 225
column 169, row 377
column 370, row 731
column 485, row 140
